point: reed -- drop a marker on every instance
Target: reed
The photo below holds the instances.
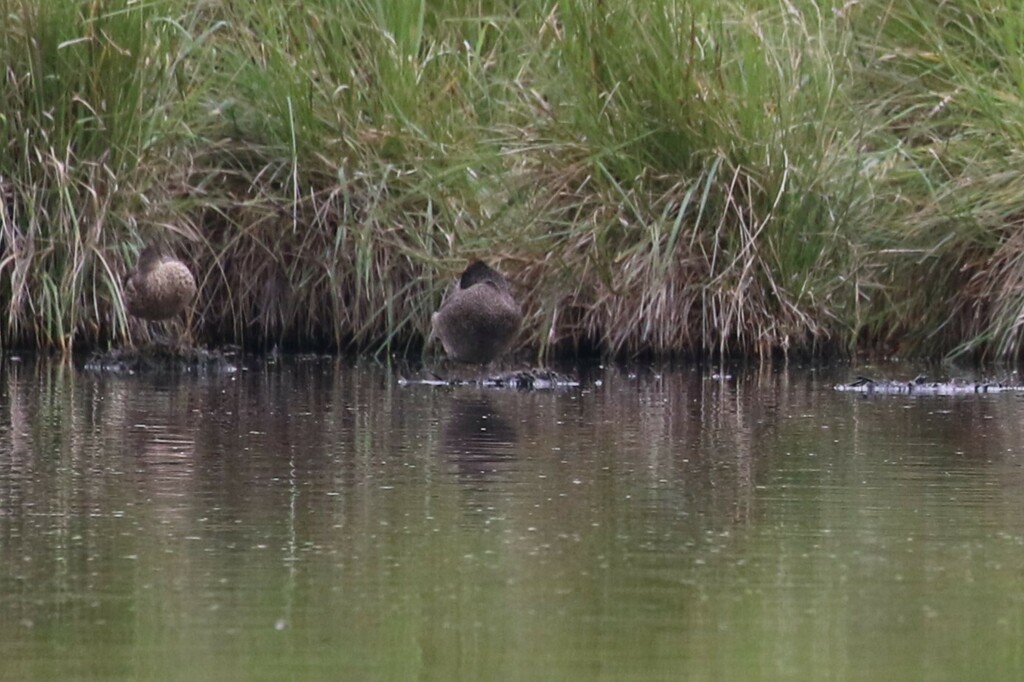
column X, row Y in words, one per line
column 662, row 177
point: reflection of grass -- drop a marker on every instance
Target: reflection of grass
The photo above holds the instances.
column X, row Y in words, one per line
column 662, row 176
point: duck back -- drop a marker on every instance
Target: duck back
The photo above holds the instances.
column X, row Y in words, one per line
column 160, row 288
column 479, row 317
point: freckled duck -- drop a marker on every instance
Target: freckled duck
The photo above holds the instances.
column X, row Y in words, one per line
column 478, row 318
column 159, row 287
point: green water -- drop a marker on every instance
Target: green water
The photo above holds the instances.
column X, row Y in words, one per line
column 319, row 521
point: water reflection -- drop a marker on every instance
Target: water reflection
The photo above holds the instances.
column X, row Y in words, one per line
column 312, row 519
column 478, row 438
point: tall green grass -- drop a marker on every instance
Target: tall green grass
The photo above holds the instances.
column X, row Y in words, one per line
column 944, row 80
column 343, row 148
column 712, row 174
column 663, row 177
column 88, row 97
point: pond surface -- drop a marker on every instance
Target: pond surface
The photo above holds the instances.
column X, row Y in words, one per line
column 313, row 520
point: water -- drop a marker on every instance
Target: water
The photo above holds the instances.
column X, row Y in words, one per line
column 319, row 521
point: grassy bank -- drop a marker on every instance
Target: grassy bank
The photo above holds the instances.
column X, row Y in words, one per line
column 660, row 177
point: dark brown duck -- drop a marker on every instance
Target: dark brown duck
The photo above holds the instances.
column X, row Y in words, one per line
column 479, row 317
column 159, row 287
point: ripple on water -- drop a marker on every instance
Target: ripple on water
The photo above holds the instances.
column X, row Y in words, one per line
column 312, row 517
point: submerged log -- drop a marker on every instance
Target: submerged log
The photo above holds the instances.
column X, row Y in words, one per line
column 921, row 385
column 528, row 379
column 157, row 359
